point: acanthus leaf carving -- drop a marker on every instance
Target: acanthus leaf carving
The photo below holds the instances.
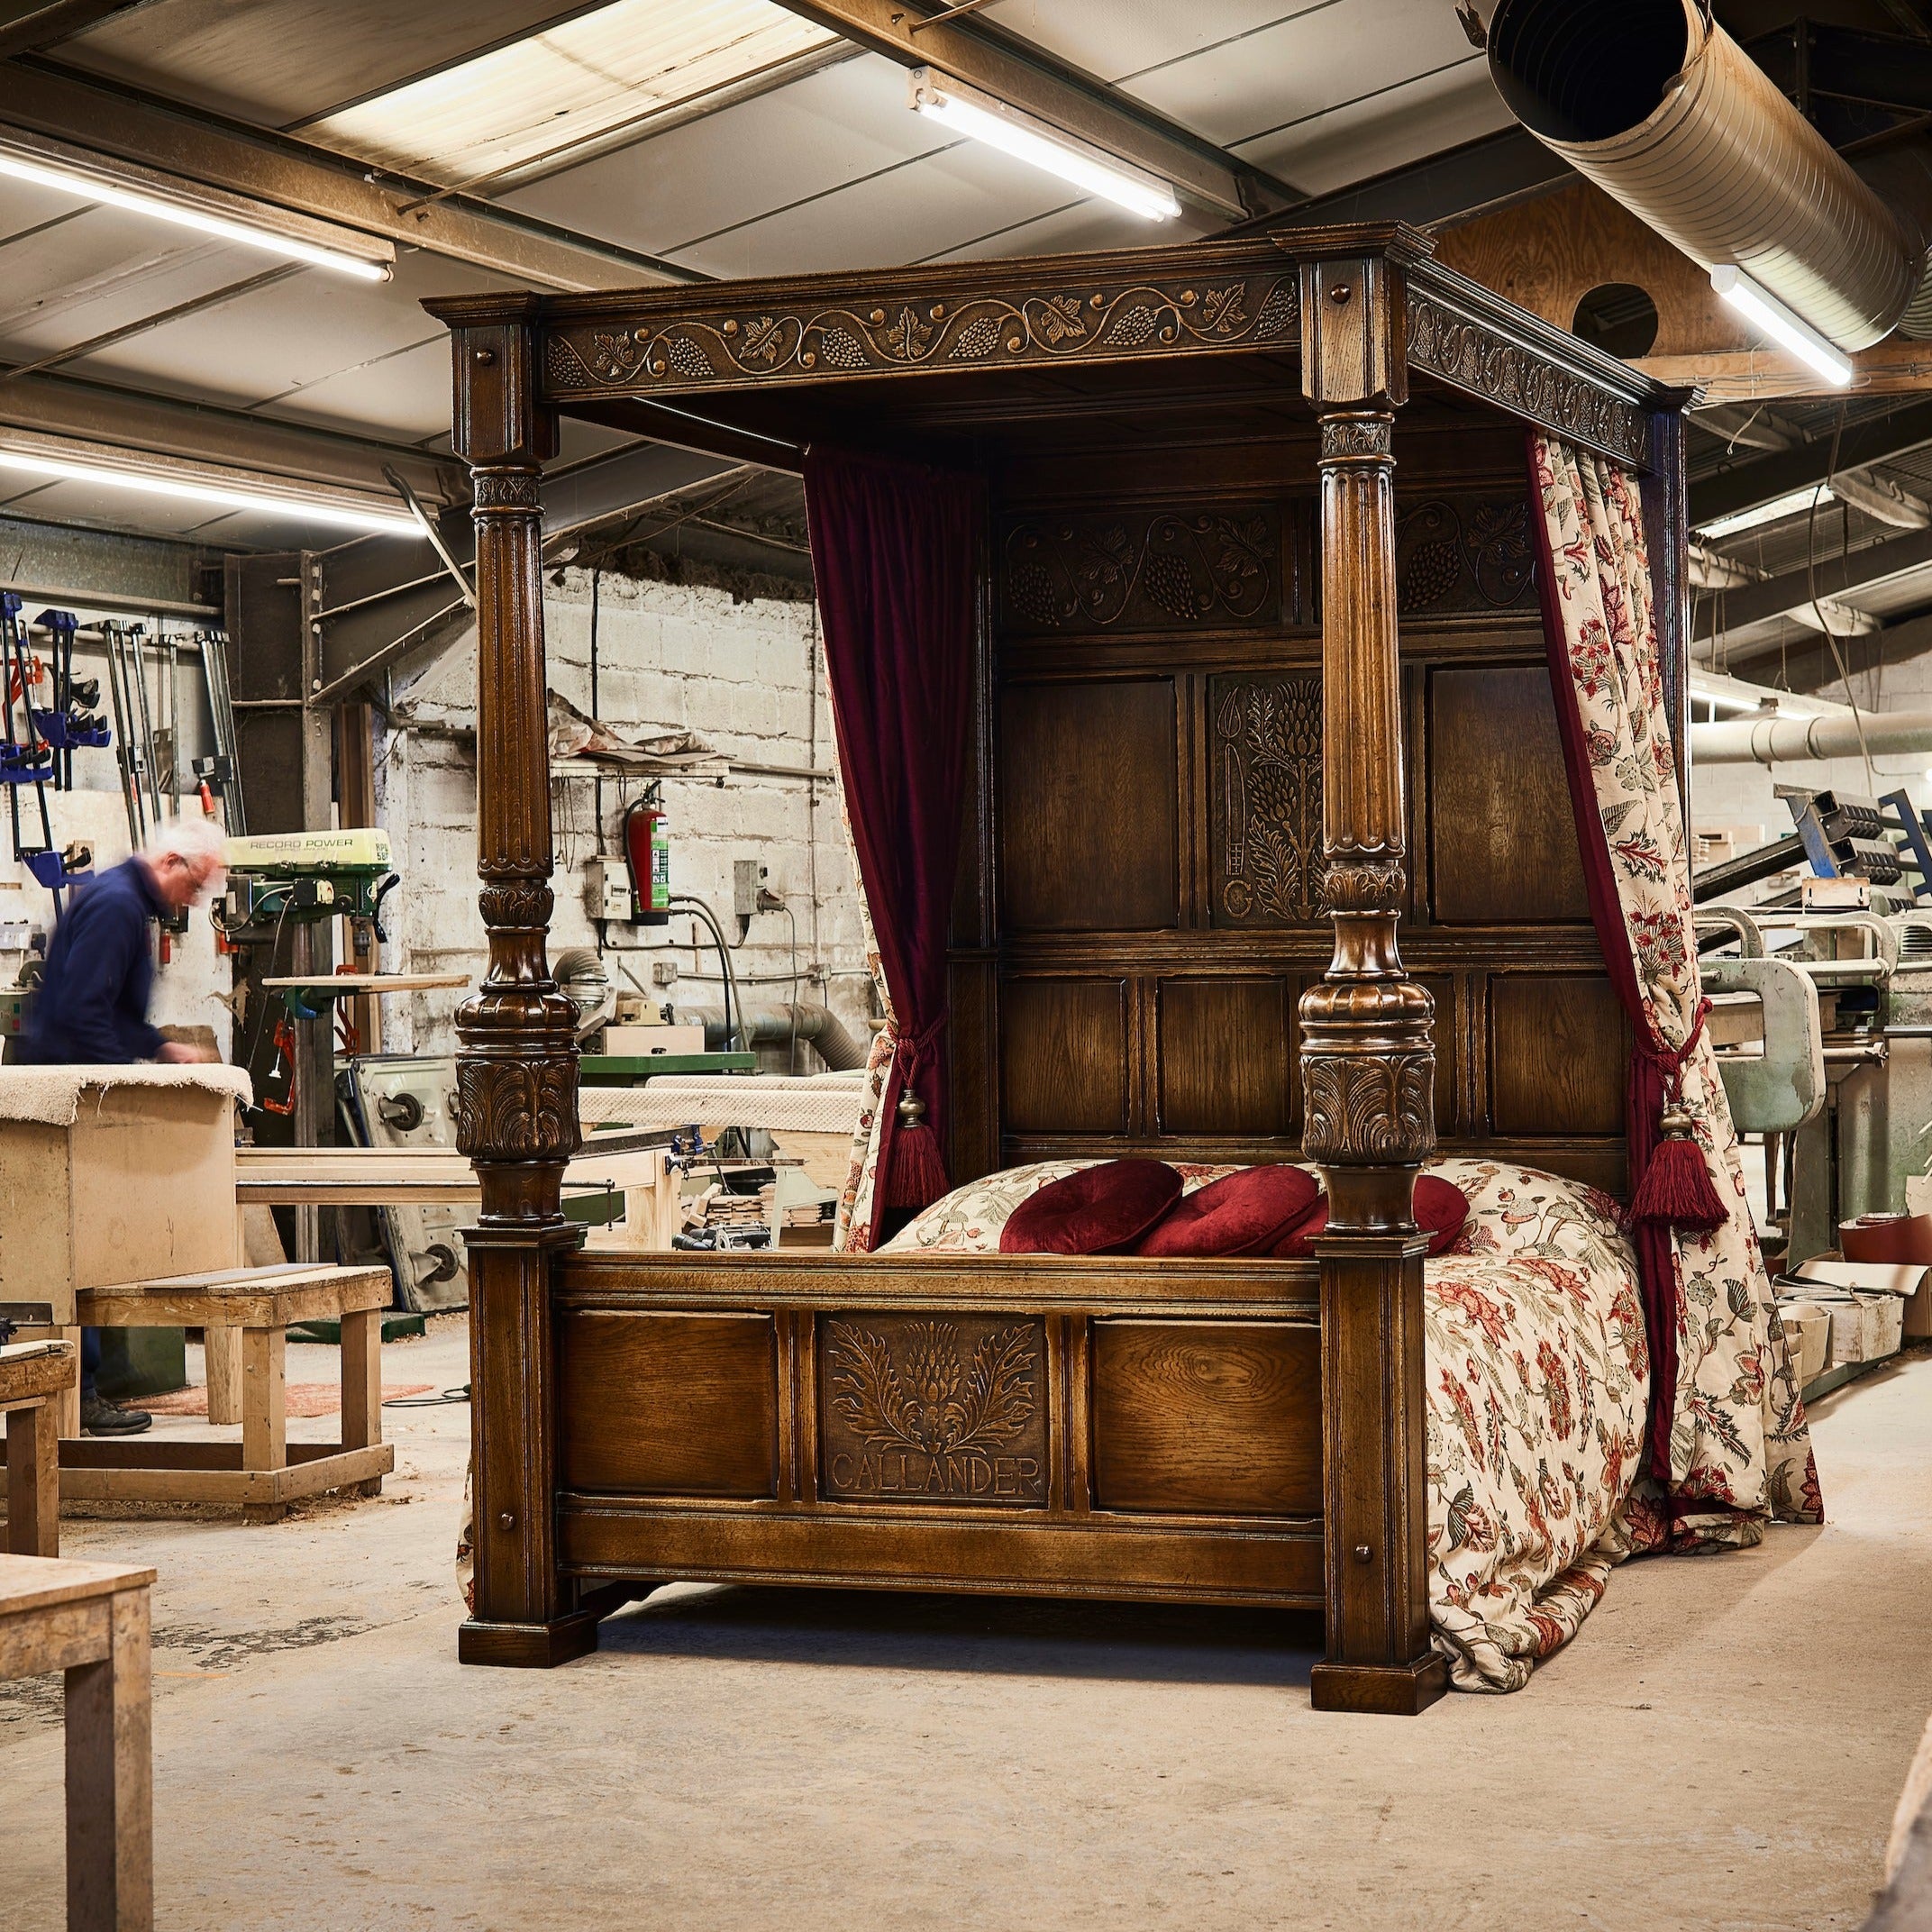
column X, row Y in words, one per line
column 517, row 1109
column 1367, row 1108
column 1473, row 357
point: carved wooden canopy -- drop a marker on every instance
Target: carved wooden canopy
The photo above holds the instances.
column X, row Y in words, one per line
column 1239, row 295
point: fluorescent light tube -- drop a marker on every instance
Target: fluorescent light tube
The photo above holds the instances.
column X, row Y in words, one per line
column 185, row 214
column 1789, row 504
column 967, row 111
column 332, row 511
column 1766, row 313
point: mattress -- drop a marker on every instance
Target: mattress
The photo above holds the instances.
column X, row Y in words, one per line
column 1538, row 1377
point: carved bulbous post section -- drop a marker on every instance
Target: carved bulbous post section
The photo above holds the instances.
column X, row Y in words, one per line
column 517, row 1064
column 1367, row 1043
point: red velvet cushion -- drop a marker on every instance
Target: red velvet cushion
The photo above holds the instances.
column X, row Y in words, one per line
column 1441, row 1210
column 1242, row 1213
column 1097, row 1211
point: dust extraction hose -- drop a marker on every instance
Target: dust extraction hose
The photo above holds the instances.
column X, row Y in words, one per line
column 1658, row 106
column 838, row 1046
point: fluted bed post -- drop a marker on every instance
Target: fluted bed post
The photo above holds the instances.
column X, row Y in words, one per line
column 1368, row 1060
column 516, row 1065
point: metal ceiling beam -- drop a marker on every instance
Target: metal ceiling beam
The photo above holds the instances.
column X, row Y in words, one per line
column 37, row 97
column 1794, row 590
column 1478, row 177
column 915, row 33
column 64, row 405
column 25, row 25
column 1764, row 478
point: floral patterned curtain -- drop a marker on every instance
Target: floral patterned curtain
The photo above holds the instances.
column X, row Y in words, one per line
column 1728, row 1446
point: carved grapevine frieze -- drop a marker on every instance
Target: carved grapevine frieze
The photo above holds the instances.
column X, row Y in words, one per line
column 1454, row 555
column 707, row 347
column 1268, row 799
column 506, row 489
column 1368, row 1108
column 1149, row 570
column 1359, row 434
column 933, row 1410
column 1477, row 360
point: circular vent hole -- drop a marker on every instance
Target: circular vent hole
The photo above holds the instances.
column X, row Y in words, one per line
column 1617, row 316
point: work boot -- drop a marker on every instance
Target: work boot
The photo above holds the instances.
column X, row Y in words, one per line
column 99, row 1416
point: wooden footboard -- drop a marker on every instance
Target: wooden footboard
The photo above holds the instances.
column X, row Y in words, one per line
column 1107, row 1427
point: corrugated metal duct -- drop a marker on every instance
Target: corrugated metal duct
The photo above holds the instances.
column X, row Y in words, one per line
column 1657, row 104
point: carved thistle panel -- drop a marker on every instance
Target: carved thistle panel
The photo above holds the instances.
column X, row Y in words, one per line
column 932, row 1410
column 1460, row 555
column 1267, row 777
column 1143, row 569
column 712, row 345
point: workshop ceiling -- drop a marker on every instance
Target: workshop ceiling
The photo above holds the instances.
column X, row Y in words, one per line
column 506, row 143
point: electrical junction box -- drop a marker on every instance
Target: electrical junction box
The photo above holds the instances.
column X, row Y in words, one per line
column 607, row 891
column 747, row 879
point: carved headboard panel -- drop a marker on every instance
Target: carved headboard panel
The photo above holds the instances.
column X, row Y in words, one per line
column 1149, row 857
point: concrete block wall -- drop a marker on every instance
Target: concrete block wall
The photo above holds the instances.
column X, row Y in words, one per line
column 744, row 675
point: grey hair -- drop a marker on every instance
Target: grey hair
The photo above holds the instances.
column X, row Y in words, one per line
column 191, row 838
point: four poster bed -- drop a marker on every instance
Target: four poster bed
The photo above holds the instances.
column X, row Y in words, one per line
column 1162, row 695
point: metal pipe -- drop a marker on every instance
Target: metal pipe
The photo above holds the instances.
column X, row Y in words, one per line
column 1781, row 740
column 837, row 1045
column 1655, row 103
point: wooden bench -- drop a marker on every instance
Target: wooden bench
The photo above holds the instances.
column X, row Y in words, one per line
column 90, row 1620
column 33, row 1377
column 264, row 1472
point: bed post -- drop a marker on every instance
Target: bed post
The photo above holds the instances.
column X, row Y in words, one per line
column 516, row 1070
column 1368, row 1055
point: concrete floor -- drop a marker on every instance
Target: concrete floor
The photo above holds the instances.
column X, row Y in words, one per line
column 1721, row 1747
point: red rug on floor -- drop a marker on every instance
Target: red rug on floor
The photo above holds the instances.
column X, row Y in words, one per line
column 302, row 1398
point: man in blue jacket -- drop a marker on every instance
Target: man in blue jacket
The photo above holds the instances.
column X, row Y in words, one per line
column 92, row 1005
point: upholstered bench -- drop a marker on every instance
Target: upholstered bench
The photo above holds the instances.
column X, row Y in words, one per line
column 33, row 1377
column 264, row 1472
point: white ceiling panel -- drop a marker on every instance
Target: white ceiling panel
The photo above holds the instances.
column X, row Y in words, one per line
column 941, row 201
column 613, row 68
column 1118, row 39
column 805, row 139
column 1352, row 141
column 278, row 344
column 276, row 62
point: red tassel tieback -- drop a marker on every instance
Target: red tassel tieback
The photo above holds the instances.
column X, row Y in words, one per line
column 918, row 1176
column 1675, row 1190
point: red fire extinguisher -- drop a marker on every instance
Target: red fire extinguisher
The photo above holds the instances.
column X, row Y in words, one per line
column 647, row 854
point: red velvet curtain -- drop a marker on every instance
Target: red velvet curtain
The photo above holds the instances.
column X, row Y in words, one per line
column 895, row 553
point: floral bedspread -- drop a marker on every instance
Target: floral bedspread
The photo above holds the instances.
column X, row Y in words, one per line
column 1538, row 1379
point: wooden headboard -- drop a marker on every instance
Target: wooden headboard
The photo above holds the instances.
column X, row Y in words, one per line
column 1142, row 904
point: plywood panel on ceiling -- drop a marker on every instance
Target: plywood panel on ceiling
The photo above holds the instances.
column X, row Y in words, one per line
column 1226, row 1063
column 1558, row 1047
column 1501, row 839
column 1063, row 1056
column 1089, row 806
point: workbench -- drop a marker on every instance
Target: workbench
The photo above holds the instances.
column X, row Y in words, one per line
column 90, row 1621
column 34, row 1378
column 264, row 1471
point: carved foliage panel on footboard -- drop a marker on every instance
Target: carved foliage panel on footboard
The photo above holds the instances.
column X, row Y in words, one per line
column 1155, row 795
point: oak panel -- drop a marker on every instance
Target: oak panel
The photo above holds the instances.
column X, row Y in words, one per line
column 1501, row 835
column 1226, row 1056
column 1063, row 1056
column 1558, row 1049
column 1089, row 807
column 668, row 1404
column 1199, row 1418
